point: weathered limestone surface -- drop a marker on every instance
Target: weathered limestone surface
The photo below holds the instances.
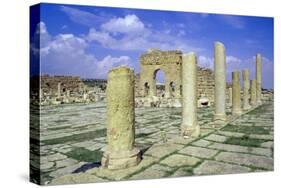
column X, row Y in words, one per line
column 258, row 77
column 236, row 95
column 189, row 126
column 253, row 93
column 220, row 82
column 246, row 87
column 120, row 152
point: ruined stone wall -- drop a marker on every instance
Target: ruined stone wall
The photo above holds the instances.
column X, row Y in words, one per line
column 49, row 84
column 206, row 84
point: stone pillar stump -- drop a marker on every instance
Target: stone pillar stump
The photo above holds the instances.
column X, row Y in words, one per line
column 253, row 100
column 120, row 152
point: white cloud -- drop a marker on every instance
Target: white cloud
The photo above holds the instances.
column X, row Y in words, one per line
column 66, row 54
column 134, row 35
column 130, row 24
column 82, row 17
column 206, row 62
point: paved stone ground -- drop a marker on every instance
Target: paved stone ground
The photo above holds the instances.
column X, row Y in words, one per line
column 73, row 137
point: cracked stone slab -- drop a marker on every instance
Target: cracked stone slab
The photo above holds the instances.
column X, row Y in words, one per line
column 216, row 138
column 214, row 167
column 201, row 143
column 178, row 160
column 155, row 171
column 199, row 152
column 77, row 178
column 241, row 149
column 231, row 134
column 246, row 159
column 268, row 144
column 161, row 150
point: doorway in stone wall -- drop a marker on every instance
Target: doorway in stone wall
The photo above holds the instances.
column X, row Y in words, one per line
column 159, row 80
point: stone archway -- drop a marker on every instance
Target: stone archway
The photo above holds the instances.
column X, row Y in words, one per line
column 167, row 61
column 159, row 79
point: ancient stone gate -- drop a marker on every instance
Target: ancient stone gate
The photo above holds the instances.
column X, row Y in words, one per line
column 170, row 62
column 167, row 61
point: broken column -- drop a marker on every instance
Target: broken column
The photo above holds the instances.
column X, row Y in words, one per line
column 167, row 89
column 258, row 78
column 253, row 93
column 189, row 126
column 120, row 152
column 220, row 82
column 246, row 87
column 59, row 89
column 230, row 96
column 236, row 96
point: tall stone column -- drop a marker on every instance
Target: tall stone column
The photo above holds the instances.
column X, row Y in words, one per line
column 258, row 78
column 246, row 87
column 220, row 82
column 59, row 89
column 120, row 152
column 236, row 96
column 189, row 126
column 230, row 96
column 253, row 93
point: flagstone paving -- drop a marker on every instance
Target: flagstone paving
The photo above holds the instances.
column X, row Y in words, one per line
column 73, row 137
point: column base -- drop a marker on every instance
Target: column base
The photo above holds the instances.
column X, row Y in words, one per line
column 120, row 160
column 237, row 112
column 246, row 107
column 190, row 131
column 259, row 102
column 219, row 117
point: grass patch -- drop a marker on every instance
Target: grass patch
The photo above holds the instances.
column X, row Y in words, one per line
column 82, row 154
column 245, row 129
column 77, row 137
column 244, row 141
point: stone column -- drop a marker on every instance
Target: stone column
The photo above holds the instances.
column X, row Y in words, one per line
column 246, row 87
column 189, row 126
column 59, row 89
column 253, row 93
column 167, row 89
column 67, row 93
column 220, row 82
column 258, row 78
column 120, row 152
column 236, row 96
column 230, row 96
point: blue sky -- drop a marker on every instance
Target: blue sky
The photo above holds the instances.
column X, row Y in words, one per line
column 88, row 41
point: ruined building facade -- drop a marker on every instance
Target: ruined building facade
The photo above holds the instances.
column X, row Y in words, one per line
column 170, row 62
